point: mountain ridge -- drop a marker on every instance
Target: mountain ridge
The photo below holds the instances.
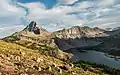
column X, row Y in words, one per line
column 77, row 32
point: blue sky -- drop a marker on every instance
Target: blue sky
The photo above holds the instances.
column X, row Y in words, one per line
column 48, row 3
column 57, row 14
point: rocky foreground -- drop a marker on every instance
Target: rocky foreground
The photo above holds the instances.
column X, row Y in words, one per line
column 15, row 59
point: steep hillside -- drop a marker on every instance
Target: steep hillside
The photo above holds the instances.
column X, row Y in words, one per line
column 89, row 38
column 16, row 59
column 111, row 45
column 79, row 37
column 78, row 32
column 37, row 38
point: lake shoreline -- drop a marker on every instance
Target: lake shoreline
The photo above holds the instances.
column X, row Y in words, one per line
column 97, row 68
column 95, row 57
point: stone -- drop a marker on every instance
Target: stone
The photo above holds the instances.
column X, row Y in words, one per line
column 65, row 67
column 22, row 53
column 54, row 65
column 36, row 68
column 8, row 58
column 1, row 55
column 39, row 69
column 71, row 65
column 60, row 71
column 24, row 74
column 34, row 59
column 39, row 60
column 17, row 58
column 18, row 64
column 50, row 69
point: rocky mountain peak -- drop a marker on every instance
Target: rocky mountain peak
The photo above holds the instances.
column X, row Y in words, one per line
column 77, row 31
column 33, row 27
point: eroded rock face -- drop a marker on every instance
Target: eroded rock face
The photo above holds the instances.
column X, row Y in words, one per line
column 33, row 28
column 77, row 36
column 78, row 32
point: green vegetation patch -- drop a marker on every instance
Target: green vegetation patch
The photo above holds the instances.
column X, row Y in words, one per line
column 97, row 68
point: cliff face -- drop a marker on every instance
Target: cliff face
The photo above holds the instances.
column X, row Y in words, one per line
column 89, row 38
column 79, row 37
column 76, row 36
column 78, row 32
column 111, row 44
column 33, row 30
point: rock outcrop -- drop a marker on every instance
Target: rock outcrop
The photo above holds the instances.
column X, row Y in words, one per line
column 78, row 32
column 79, row 37
column 33, row 27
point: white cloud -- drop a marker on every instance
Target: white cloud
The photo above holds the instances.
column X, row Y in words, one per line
column 84, row 4
column 106, row 22
column 10, row 15
column 54, row 18
column 8, row 9
column 88, row 13
column 6, row 30
column 105, row 3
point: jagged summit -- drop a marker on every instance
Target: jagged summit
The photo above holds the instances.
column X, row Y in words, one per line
column 33, row 27
column 31, row 32
column 77, row 31
column 34, row 30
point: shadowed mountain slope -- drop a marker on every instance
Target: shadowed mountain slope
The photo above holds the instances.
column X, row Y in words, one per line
column 89, row 38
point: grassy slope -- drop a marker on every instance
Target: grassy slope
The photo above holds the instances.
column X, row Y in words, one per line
column 17, row 59
column 44, row 44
